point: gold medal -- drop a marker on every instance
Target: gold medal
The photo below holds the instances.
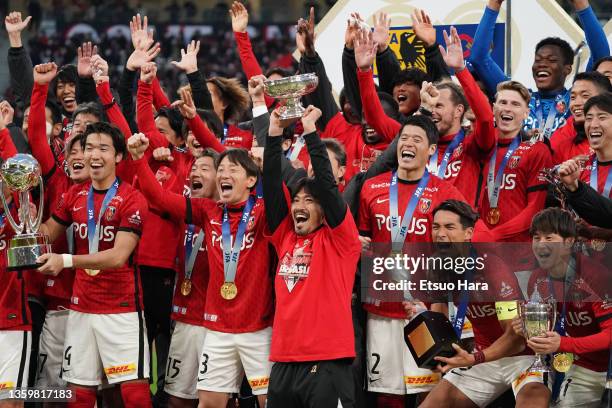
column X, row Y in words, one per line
column 92, row 272
column 562, row 362
column 186, row 287
column 598, row 244
column 229, row 290
column 493, row 216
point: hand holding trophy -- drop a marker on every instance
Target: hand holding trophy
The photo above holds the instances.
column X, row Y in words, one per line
column 538, row 317
column 21, row 173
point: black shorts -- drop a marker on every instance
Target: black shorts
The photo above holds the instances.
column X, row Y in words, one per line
column 316, row 384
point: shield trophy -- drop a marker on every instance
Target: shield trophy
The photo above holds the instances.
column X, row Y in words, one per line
column 538, row 317
column 21, row 173
column 289, row 90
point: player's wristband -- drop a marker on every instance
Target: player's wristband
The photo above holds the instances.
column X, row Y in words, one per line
column 479, row 357
column 67, row 258
column 109, row 105
column 424, row 111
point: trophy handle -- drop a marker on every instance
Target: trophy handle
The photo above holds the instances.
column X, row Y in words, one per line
column 35, row 224
column 18, row 228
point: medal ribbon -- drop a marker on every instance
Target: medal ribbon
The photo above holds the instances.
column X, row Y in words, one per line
column 294, row 151
column 225, row 130
column 464, row 299
column 433, row 160
column 594, row 181
column 546, row 128
column 231, row 255
column 191, row 249
column 93, row 227
column 494, row 181
column 398, row 235
column 560, row 324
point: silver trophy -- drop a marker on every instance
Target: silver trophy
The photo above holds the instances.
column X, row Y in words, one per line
column 21, row 173
column 538, row 317
column 289, row 90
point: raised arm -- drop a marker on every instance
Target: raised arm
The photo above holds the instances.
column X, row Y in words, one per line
column 277, row 208
column 37, row 130
column 201, row 132
column 365, row 49
column 189, row 65
column 349, row 68
column 386, row 62
column 426, row 32
column 310, row 61
column 144, row 107
column 488, row 70
column 19, row 62
column 86, row 88
column 594, row 33
column 250, row 65
column 7, row 147
column 331, row 200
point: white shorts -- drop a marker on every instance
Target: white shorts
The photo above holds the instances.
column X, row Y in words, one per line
column 111, row 345
column 582, row 387
column 391, row 367
column 15, row 348
column 227, row 357
column 484, row 382
column 51, row 351
column 183, row 358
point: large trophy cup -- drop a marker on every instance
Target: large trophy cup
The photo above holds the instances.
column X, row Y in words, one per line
column 21, row 173
column 289, row 90
column 538, row 317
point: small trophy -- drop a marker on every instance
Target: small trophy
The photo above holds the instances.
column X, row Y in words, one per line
column 428, row 335
column 289, row 90
column 538, row 317
column 21, row 173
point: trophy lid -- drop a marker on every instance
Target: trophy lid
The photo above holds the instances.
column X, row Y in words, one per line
column 20, row 172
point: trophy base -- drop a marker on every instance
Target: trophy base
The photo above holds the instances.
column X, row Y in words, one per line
column 539, row 366
column 291, row 109
column 23, row 250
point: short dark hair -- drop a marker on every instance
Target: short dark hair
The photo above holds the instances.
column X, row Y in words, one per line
column 212, row 122
column 71, row 142
column 599, row 80
column 603, row 101
column 601, row 61
column 241, row 158
column 412, row 76
column 209, row 152
column 107, row 129
column 456, row 94
column 424, row 123
column 175, row 119
column 91, row 108
column 554, row 220
column 567, row 53
column 337, row 149
column 467, row 215
column 388, row 99
column 284, row 72
column 56, row 112
column 309, row 185
column 66, row 74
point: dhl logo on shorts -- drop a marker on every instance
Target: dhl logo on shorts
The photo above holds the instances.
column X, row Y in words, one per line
column 7, row 386
column 525, row 375
column 120, row 370
column 259, row 383
column 422, row 379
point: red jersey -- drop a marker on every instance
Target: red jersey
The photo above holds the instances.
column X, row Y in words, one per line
column 252, row 309
column 587, row 316
column 233, row 136
column 563, row 143
column 522, row 193
column 190, row 308
column 603, row 168
column 375, row 219
column 359, row 155
column 313, row 287
column 110, row 291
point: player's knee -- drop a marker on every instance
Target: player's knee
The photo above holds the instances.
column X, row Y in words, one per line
column 136, row 394
column 534, row 395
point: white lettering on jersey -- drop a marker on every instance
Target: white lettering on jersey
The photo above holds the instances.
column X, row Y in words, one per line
column 247, row 242
column 508, row 182
column 452, row 170
column 579, row 318
column 417, row 226
column 107, row 233
column 2, row 242
column 481, row 310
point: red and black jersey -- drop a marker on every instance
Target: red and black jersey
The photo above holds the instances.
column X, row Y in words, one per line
column 563, row 143
column 110, row 291
column 236, row 137
column 603, row 168
column 375, row 219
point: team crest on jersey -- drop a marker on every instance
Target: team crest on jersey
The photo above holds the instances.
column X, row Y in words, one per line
column 110, row 213
column 514, row 162
column 424, row 205
column 561, row 107
column 251, row 223
column 295, row 266
column 458, row 151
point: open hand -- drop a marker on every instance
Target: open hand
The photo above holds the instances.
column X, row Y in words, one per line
column 240, row 17
column 453, row 54
column 189, row 58
column 84, row 54
column 382, row 22
column 365, row 50
column 461, row 359
column 185, row 105
column 423, row 29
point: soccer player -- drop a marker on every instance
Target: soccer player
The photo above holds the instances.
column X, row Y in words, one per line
column 597, row 125
column 315, row 238
column 105, row 331
column 190, row 295
column 498, row 362
column 513, row 192
column 571, row 140
column 604, row 67
column 580, row 342
column 415, row 192
column 548, row 106
column 238, row 310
